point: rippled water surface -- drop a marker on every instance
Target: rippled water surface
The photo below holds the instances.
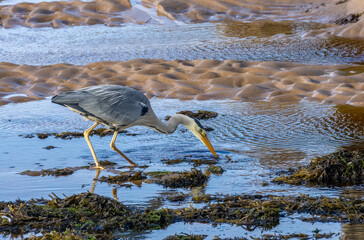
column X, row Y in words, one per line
column 260, row 139
column 260, row 40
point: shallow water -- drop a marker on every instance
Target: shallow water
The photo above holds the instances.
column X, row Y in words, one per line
column 249, row 41
column 288, row 225
column 260, row 138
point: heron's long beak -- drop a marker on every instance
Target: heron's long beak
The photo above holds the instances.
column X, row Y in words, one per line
column 206, row 141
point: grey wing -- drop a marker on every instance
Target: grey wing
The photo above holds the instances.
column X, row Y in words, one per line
column 116, row 105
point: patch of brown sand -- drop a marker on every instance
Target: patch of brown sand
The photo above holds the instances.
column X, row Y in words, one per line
column 117, row 12
column 70, row 13
column 198, row 79
column 328, row 11
column 212, row 10
column 348, row 13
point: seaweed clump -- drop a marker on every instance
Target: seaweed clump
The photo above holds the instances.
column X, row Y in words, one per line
column 122, row 177
column 57, row 172
column 84, row 213
column 106, row 163
column 68, row 234
column 259, row 210
column 340, row 168
column 215, row 169
column 239, row 210
column 49, row 147
column 185, row 236
column 178, row 197
column 102, row 132
column 199, row 115
column 89, row 215
column 184, row 179
column 300, row 236
column 43, row 135
column 194, row 162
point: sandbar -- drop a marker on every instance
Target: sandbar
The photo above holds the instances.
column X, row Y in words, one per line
column 198, row 79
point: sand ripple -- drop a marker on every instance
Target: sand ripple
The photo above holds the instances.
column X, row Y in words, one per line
column 199, row 79
column 117, row 12
column 62, row 13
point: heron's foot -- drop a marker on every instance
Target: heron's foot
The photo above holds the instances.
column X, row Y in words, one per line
column 99, row 167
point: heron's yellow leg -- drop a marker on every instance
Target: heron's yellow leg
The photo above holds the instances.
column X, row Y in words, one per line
column 112, row 145
column 95, row 180
column 87, row 137
column 115, row 194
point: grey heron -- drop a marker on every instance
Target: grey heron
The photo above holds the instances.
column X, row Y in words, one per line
column 118, row 108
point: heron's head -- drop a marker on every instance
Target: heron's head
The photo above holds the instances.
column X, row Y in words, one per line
column 198, row 130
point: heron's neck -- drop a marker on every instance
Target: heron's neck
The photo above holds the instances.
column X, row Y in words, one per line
column 172, row 124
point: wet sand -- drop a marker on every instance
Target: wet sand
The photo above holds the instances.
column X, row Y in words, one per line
column 118, row 12
column 199, row 79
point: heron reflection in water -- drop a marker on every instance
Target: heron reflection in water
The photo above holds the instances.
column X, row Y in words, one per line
column 118, row 108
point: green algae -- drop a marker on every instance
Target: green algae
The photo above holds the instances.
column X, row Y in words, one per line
column 328, row 209
column 84, row 213
column 248, row 213
column 340, row 168
column 88, row 215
